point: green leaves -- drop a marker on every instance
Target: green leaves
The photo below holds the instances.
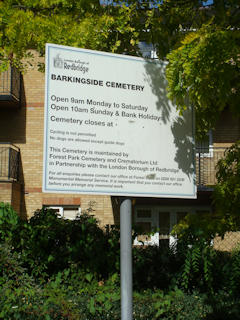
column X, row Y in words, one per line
column 204, row 70
column 49, row 244
column 8, row 221
column 202, row 45
column 29, row 25
column 227, row 190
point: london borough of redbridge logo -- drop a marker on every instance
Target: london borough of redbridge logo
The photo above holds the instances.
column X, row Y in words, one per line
column 58, row 62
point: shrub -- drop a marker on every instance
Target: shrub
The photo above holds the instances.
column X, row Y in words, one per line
column 52, row 243
column 225, row 306
column 9, row 221
column 187, row 307
column 75, row 294
column 227, row 190
column 49, row 243
column 52, row 268
column 154, row 267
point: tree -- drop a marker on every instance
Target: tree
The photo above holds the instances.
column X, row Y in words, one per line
column 204, row 67
column 227, row 190
column 200, row 43
column 29, row 24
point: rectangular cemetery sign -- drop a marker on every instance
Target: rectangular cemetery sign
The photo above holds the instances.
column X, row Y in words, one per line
column 110, row 128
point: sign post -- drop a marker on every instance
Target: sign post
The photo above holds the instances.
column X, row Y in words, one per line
column 126, row 258
column 110, row 129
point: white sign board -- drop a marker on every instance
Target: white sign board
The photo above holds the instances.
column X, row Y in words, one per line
column 110, row 129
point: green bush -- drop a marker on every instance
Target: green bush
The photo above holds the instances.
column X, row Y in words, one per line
column 187, row 307
column 155, row 267
column 227, row 190
column 27, row 300
column 49, row 244
column 74, row 294
column 225, row 306
column 77, row 294
column 173, row 305
column 201, row 266
column 52, row 268
column 9, row 221
column 53, row 244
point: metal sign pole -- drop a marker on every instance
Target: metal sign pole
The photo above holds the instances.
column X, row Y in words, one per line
column 126, row 259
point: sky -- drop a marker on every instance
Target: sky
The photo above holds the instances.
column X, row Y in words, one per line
column 206, row 3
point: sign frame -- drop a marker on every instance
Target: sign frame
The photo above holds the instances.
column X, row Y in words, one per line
column 58, row 62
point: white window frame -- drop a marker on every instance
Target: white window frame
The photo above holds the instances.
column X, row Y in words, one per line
column 154, row 220
column 61, row 210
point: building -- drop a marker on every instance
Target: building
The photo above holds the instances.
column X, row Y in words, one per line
column 21, row 148
column 21, row 153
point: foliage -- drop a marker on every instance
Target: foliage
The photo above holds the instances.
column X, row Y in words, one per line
column 10, row 265
column 27, row 300
column 187, row 306
column 225, row 306
column 172, row 305
column 199, row 269
column 233, row 270
column 203, row 68
column 200, row 43
column 204, row 71
column 227, row 190
column 195, row 234
column 74, row 294
column 74, row 285
column 54, row 243
column 8, row 221
column 169, row 22
column 154, row 267
column 48, row 243
column 194, row 227
column 201, row 265
column 29, row 24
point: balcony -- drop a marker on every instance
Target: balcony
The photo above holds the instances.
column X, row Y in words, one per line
column 206, row 161
column 9, row 162
column 10, row 88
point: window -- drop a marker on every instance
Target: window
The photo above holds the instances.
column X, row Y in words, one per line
column 147, row 50
column 145, row 221
column 67, row 212
column 160, row 221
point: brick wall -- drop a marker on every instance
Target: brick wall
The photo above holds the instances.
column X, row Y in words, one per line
column 16, row 199
column 11, row 192
column 227, row 130
column 5, row 192
column 24, row 127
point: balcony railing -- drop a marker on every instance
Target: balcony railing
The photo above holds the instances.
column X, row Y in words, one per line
column 206, row 161
column 10, row 87
column 9, row 162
